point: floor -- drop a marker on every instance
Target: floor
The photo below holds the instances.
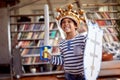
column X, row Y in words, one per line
column 53, row 77
column 42, row 78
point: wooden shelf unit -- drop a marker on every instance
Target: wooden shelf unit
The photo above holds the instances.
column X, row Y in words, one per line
column 15, row 32
column 108, row 68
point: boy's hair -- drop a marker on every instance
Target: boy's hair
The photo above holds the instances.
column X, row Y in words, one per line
column 70, row 19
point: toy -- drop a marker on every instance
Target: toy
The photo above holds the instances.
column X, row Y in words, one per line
column 44, row 51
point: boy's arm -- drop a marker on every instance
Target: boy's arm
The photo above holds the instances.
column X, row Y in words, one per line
column 83, row 27
column 56, row 59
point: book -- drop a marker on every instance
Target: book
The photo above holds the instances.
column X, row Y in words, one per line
column 113, row 33
column 29, row 35
column 98, row 15
column 24, row 52
column 53, row 34
column 28, row 61
column 22, row 27
column 107, row 36
column 35, row 35
column 41, row 43
column 38, row 44
column 33, row 60
column 90, row 15
column 51, row 26
column 41, row 35
column 107, row 16
column 101, row 23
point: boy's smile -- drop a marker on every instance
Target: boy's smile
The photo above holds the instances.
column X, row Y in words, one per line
column 68, row 25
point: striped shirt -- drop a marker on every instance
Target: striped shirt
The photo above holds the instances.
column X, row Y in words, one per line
column 71, row 54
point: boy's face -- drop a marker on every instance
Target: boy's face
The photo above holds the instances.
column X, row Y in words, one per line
column 68, row 25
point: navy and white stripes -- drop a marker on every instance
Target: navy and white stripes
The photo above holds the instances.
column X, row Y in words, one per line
column 71, row 54
column 57, row 60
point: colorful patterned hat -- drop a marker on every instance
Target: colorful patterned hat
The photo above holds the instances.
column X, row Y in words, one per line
column 77, row 16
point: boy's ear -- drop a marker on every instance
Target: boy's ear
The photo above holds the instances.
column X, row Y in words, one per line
column 76, row 27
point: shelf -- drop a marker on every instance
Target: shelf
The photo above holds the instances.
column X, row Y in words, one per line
column 29, row 39
column 37, row 63
column 104, row 11
column 106, row 15
column 110, row 64
column 107, row 26
column 5, row 76
column 22, row 23
column 111, row 33
column 31, row 31
column 102, row 4
column 28, row 15
column 110, row 68
column 43, row 73
column 31, row 55
column 107, row 68
column 34, row 47
column 107, row 19
column 27, row 31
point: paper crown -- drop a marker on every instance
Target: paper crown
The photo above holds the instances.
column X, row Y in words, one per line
column 77, row 16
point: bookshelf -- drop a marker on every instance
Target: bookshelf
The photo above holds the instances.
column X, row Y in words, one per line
column 107, row 15
column 28, row 37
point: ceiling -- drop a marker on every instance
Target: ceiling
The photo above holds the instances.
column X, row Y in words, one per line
column 5, row 3
column 52, row 3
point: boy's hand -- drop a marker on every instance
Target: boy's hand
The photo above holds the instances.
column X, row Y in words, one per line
column 49, row 56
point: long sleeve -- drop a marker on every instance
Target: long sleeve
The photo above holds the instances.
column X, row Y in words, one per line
column 56, row 60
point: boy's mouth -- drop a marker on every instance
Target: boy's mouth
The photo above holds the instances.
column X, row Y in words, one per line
column 67, row 28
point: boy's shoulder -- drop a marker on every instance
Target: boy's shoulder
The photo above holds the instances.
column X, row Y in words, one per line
column 82, row 36
column 83, row 33
column 61, row 40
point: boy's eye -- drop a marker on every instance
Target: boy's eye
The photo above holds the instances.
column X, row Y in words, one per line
column 63, row 22
column 69, row 21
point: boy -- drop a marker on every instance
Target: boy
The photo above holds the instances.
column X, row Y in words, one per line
column 72, row 47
